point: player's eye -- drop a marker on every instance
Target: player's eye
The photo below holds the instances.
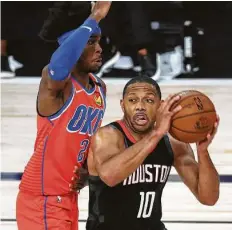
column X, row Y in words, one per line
column 132, row 100
column 149, row 100
column 91, row 42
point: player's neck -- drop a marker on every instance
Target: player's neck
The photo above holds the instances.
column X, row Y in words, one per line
column 82, row 78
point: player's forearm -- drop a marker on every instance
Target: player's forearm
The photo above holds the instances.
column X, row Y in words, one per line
column 68, row 53
column 119, row 167
column 208, row 183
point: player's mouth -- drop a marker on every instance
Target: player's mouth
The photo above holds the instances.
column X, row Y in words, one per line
column 140, row 119
column 98, row 61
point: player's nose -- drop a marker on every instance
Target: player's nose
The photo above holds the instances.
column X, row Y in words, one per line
column 98, row 48
column 140, row 106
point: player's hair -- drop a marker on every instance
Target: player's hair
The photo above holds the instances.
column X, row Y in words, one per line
column 142, row 79
column 64, row 17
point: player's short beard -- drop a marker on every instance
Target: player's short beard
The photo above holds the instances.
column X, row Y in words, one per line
column 94, row 70
column 82, row 67
column 145, row 131
column 129, row 123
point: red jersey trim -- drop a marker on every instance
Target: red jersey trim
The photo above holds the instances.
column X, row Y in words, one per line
column 126, row 131
column 88, row 92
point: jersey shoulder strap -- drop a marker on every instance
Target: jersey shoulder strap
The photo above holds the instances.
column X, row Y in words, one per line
column 116, row 125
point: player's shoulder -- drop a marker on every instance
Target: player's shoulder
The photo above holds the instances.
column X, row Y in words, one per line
column 99, row 80
column 109, row 132
column 173, row 142
column 103, row 84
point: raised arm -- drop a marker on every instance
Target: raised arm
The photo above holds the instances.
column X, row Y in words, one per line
column 55, row 87
column 200, row 177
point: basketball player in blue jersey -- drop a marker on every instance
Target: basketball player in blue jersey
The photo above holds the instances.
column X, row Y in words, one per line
column 130, row 160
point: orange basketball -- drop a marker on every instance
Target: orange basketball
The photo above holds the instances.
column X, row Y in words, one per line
column 196, row 118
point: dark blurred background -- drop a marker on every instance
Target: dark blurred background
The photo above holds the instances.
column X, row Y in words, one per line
column 206, row 25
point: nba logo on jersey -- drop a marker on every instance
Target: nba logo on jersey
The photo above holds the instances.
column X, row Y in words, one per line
column 98, row 99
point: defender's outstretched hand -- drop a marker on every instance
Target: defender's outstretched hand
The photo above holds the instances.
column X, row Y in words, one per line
column 100, row 9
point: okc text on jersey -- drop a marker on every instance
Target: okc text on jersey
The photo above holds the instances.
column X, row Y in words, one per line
column 85, row 120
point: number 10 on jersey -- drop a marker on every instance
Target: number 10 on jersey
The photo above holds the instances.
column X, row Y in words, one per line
column 146, row 204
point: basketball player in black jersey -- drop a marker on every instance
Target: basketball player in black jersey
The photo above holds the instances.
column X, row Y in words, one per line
column 130, row 160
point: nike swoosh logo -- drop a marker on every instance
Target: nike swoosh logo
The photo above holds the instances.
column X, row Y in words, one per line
column 78, row 91
column 86, row 27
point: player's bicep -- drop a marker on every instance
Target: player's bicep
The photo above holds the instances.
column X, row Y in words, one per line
column 52, row 94
column 186, row 166
column 104, row 146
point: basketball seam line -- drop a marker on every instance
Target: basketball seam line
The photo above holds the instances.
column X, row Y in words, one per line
column 184, row 131
column 192, row 114
column 183, row 98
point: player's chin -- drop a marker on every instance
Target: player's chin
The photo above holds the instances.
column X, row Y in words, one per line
column 94, row 69
column 145, row 128
column 96, row 66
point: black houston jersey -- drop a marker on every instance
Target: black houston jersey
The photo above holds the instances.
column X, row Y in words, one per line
column 134, row 204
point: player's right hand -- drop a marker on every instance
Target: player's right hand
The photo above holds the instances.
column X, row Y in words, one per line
column 100, row 10
column 164, row 114
column 80, row 179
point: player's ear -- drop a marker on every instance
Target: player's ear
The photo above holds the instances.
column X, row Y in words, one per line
column 122, row 105
column 161, row 102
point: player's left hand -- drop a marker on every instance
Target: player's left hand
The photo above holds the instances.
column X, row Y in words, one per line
column 80, row 179
column 202, row 146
